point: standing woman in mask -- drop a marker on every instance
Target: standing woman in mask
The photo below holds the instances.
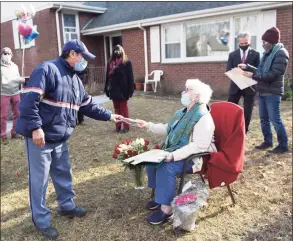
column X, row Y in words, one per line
column 10, row 82
column 119, row 85
column 270, row 86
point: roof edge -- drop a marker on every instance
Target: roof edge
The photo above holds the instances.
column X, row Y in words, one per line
column 252, row 6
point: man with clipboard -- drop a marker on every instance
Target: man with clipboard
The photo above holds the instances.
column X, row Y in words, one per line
column 245, row 54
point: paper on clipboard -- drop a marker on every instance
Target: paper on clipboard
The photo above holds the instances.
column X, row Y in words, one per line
column 152, row 156
column 239, row 79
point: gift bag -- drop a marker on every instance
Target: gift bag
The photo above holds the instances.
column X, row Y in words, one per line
column 188, row 203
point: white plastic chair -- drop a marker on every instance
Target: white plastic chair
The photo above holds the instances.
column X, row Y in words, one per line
column 157, row 78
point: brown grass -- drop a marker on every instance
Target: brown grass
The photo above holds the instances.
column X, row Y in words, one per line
column 116, row 209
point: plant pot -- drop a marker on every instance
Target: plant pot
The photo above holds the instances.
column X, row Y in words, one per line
column 139, row 86
column 149, row 87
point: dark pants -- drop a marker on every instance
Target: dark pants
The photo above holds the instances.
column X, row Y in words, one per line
column 121, row 108
column 80, row 117
column 269, row 112
column 248, row 105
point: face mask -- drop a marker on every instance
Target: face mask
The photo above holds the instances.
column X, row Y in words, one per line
column 185, row 99
column 81, row 65
column 244, row 48
column 267, row 47
column 117, row 54
column 6, row 58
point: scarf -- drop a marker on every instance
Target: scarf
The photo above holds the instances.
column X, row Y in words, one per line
column 113, row 65
column 266, row 61
column 3, row 62
column 181, row 126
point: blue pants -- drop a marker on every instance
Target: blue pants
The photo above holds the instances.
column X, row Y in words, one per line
column 163, row 179
column 269, row 112
column 52, row 159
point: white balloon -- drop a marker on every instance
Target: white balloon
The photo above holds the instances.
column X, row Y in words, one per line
column 33, row 11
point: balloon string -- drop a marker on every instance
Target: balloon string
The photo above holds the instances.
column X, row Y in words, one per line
column 22, row 65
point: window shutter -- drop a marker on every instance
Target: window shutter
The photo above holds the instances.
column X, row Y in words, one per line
column 155, row 44
column 269, row 20
column 15, row 34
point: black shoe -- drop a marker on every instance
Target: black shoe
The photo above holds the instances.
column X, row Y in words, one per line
column 49, row 233
column 263, row 146
column 278, row 150
column 123, row 131
column 77, row 212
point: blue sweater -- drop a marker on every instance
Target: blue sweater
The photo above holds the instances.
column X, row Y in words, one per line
column 51, row 99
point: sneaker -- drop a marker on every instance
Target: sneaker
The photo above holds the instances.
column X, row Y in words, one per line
column 152, row 205
column 50, row 232
column 278, row 150
column 4, row 141
column 76, row 212
column 263, row 146
column 16, row 136
column 158, row 217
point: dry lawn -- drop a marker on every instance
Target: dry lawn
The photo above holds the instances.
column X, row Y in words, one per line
column 116, row 210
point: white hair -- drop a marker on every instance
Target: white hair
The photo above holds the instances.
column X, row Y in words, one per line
column 203, row 90
column 244, row 34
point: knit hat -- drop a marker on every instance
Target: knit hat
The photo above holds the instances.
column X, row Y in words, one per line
column 272, row 35
column 6, row 50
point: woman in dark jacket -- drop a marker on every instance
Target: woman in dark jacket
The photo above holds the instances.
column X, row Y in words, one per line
column 270, row 86
column 119, row 85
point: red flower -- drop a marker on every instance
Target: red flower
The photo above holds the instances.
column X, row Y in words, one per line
column 18, row 174
column 117, row 151
column 145, row 148
column 129, row 152
column 135, row 153
column 115, row 156
column 127, row 142
column 147, row 142
column 125, row 155
column 157, row 146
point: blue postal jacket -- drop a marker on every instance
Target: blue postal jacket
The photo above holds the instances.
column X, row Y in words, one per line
column 51, row 99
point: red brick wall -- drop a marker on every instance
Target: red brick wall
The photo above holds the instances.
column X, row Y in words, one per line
column 211, row 73
column 45, row 44
column 284, row 23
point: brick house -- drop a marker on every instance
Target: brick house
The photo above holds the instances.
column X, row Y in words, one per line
column 180, row 38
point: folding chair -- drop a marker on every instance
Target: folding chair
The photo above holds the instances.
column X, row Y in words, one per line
column 157, row 79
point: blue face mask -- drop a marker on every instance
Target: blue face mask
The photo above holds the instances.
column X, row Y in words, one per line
column 81, row 65
column 185, row 99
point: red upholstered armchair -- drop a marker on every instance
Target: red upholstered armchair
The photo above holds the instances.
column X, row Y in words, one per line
column 223, row 167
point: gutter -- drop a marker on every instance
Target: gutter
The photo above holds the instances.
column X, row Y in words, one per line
column 58, row 29
column 252, row 6
column 145, row 54
column 80, row 7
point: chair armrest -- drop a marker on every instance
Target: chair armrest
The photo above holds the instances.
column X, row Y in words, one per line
column 200, row 154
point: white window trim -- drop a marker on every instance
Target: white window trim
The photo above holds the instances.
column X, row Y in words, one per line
column 230, row 17
column 76, row 22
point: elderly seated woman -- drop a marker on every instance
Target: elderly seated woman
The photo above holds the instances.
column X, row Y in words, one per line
column 190, row 131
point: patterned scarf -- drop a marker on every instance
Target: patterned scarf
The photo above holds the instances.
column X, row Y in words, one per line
column 181, row 126
column 266, row 61
column 113, row 65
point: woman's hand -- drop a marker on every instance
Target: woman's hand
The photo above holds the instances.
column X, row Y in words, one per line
column 248, row 74
column 142, row 124
column 169, row 158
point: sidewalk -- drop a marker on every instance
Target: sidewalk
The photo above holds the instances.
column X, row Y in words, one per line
column 101, row 99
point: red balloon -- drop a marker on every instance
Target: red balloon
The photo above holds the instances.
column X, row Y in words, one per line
column 24, row 29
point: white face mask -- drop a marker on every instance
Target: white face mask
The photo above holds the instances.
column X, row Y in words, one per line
column 185, row 99
column 6, row 58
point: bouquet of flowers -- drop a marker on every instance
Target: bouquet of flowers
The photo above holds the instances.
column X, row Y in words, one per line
column 129, row 148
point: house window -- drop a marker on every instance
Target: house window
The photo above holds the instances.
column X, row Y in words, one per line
column 205, row 39
column 172, row 41
column 19, row 41
column 208, row 40
column 249, row 24
column 70, row 27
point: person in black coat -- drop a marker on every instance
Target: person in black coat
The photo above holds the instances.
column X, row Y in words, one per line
column 245, row 54
column 270, row 86
column 119, row 85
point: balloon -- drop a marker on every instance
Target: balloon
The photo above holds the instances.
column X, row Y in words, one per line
column 23, row 9
column 24, row 29
column 33, row 34
column 224, row 40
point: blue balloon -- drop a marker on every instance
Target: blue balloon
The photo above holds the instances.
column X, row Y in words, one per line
column 224, row 40
column 33, row 35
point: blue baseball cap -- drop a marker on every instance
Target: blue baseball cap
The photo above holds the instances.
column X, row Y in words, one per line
column 80, row 48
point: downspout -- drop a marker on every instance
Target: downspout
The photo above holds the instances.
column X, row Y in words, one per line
column 145, row 54
column 58, row 29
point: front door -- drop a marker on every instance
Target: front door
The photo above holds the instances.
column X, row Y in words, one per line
column 110, row 42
